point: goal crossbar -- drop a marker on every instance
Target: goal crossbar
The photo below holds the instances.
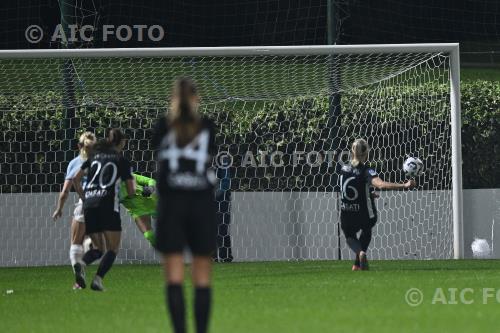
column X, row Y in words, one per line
column 231, row 51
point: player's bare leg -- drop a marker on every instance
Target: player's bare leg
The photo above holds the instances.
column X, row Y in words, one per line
column 99, row 242
column 144, row 225
column 77, row 232
column 201, row 273
column 173, row 268
column 356, row 266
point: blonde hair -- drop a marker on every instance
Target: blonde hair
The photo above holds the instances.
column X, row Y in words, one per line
column 85, row 142
column 359, row 151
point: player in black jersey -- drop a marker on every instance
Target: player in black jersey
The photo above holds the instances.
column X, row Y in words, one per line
column 186, row 203
column 358, row 211
column 106, row 168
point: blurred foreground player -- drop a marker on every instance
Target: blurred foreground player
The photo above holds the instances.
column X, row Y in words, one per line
column 186, row 203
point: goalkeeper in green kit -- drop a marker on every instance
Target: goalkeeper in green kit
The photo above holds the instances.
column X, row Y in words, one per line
column 143, row 205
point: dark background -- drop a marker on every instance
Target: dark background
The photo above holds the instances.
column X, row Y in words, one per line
column 474, row 23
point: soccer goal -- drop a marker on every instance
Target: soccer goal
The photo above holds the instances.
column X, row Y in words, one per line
column 285, row 116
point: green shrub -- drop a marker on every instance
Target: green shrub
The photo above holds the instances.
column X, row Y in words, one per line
column 37, row 139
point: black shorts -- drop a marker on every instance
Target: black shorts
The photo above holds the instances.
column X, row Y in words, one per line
column 186, row 219
column 99, row 219
column 351, row 224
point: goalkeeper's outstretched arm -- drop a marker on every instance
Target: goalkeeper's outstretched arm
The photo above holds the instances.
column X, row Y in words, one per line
column 146, row 186
column 143, row 180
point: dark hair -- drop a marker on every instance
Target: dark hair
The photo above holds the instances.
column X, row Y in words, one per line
column 183, row 117
column 114, row 139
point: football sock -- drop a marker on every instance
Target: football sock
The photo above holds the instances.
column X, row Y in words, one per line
column 365, row 238
column 202, row 301
column 91, row 255
column 176, row 307
column 150, row 236
column 354, row 244
column 75, row 254
column 106, row 262
column 356, row 261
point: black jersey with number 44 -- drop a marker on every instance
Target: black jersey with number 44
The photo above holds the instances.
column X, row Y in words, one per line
column 106, row 170
column 355, row 191
column 186, row 168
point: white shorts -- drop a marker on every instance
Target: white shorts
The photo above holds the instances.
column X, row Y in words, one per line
column 78, row 212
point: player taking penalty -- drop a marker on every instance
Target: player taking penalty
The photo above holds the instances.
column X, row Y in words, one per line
column 143, row 205
column 358, row 210
column 106, row 168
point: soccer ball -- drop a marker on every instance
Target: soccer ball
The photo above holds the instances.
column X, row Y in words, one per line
column 481, row 249
column 87, row 244
column 413, row 167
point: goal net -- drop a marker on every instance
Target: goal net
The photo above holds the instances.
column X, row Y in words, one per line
column 285, row 117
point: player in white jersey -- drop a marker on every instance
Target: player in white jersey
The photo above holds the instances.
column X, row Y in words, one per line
column 85, row 142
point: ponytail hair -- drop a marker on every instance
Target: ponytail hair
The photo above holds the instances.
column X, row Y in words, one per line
column 183, row 117
column 115, row 137
column 85, row 143
column 359, row 150
column 112, row 142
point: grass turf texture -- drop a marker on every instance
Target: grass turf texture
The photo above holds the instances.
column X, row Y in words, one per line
column 258, row 297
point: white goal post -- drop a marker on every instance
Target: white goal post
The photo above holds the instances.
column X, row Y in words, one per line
column 382, row 84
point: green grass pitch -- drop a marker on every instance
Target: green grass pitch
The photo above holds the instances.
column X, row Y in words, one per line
column 322, row 296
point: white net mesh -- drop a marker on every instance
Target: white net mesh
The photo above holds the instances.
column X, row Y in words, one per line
column 283, row 123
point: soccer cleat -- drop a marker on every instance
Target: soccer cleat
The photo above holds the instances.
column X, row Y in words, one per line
column 80, row 275
column 76, row 286
column 227, row 259
column 97, row 284
column 356, row 268
column 363, row 261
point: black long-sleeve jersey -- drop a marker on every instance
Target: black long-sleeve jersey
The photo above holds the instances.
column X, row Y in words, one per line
column 355, row 189
column 106, row 170
column 187, row 168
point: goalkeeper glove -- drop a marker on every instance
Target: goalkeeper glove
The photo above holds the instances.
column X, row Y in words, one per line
column 147, row 191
